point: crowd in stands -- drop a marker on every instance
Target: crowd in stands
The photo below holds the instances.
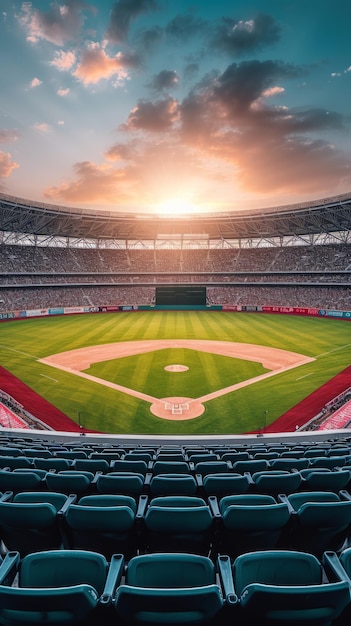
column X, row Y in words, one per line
column 37, row 277
column 19, row 259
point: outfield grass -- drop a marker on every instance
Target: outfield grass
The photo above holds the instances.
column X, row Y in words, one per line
column 22, row 343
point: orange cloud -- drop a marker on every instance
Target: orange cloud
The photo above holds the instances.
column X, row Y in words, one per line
column 96, row 65
column 6, row 165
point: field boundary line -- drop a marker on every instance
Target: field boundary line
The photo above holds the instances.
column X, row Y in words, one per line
column 347, row 345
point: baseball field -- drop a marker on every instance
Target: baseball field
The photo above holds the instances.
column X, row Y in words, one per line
column 175, row 372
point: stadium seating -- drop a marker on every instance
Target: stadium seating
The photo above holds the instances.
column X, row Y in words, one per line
column 250, row 522
column 170, row 589
column 104, row 523
column 30, row 522
column 320, row 521
column 56, row 587
column 178, row 524
column 287, row 587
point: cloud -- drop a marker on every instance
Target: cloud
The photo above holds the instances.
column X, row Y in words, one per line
column 143, row 174
column 95, row 65
column 63, row 92
column 272, row 91
column 149, row 116
column 241, row 84
column 42, row 127
column 61, row 23
column 6, row 165
column 148, row 39
column 93, row 184
column 185, row 27
column 35, row 82
column 270, row 149
column 241, row 37
column 63, row 61
column 8, row 135
column 190, row 71
column 166, row 79
column 123, row 13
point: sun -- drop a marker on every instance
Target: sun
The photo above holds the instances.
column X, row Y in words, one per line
column 176, row 207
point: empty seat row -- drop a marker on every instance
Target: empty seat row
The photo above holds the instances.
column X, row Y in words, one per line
column 133, row 483
column 176, row 467
column 281, row 587
column 312, row 521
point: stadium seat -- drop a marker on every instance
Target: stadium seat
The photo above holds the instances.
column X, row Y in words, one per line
column 212, row 467
column 320, row 521
column 274, row 482
column 251, row 522
column 107, row 456
column 170, row 589
column 170, row 456
column 250, row 466
column 202, row 457
column 290, row 463
column 173, row 484
column 139, row 456
column 70, row 481
column 31, row 521
column 91, row 465
column 71, row 454
column 13, row 462
column 327, row 480
column 234, row 456
column 20, row 481
column 52, row 464
column 57, row 587
column 328, row 461
column 120, row 465
column 224, row 484
column 123, row 483
column 287, row 587
column 178, row 524
column 32, row 453
column 102, row 523
column 170, row 467
column 10, row 451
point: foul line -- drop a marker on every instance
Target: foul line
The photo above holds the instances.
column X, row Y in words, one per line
column 18, row 351
column 305, row 376
column 334, row 350
column 49, row 377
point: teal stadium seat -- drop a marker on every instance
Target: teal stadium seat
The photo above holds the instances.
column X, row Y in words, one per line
column 102, row 523
column 287, row 587
column 57, row 587
column 170, row 589
column 31, row 521
column 321, row 520
column 251, row 522
column 178, row 524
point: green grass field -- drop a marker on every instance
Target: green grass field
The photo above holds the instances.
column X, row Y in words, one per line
column 100, row 408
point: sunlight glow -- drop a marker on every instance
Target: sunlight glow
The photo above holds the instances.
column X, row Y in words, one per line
column 176, row 207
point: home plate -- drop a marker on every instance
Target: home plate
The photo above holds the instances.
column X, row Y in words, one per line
column 177, row 408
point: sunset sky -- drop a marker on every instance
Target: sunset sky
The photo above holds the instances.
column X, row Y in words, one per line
column 171, row 106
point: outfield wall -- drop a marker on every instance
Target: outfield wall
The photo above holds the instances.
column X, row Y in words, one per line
column 78, row 310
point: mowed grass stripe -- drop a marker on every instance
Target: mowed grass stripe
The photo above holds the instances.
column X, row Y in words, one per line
column 146, row 372
column 111, row 411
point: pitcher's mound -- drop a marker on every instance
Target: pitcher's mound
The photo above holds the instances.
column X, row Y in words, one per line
column 177, row 408
column 176, row 368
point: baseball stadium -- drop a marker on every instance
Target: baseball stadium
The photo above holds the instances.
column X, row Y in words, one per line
column 171, row 368
column 175, row 313
column 223, row 325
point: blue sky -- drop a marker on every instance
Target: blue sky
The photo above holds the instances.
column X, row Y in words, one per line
column 171, row 106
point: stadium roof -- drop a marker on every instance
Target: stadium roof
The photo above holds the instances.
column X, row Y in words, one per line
column 326, row 216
